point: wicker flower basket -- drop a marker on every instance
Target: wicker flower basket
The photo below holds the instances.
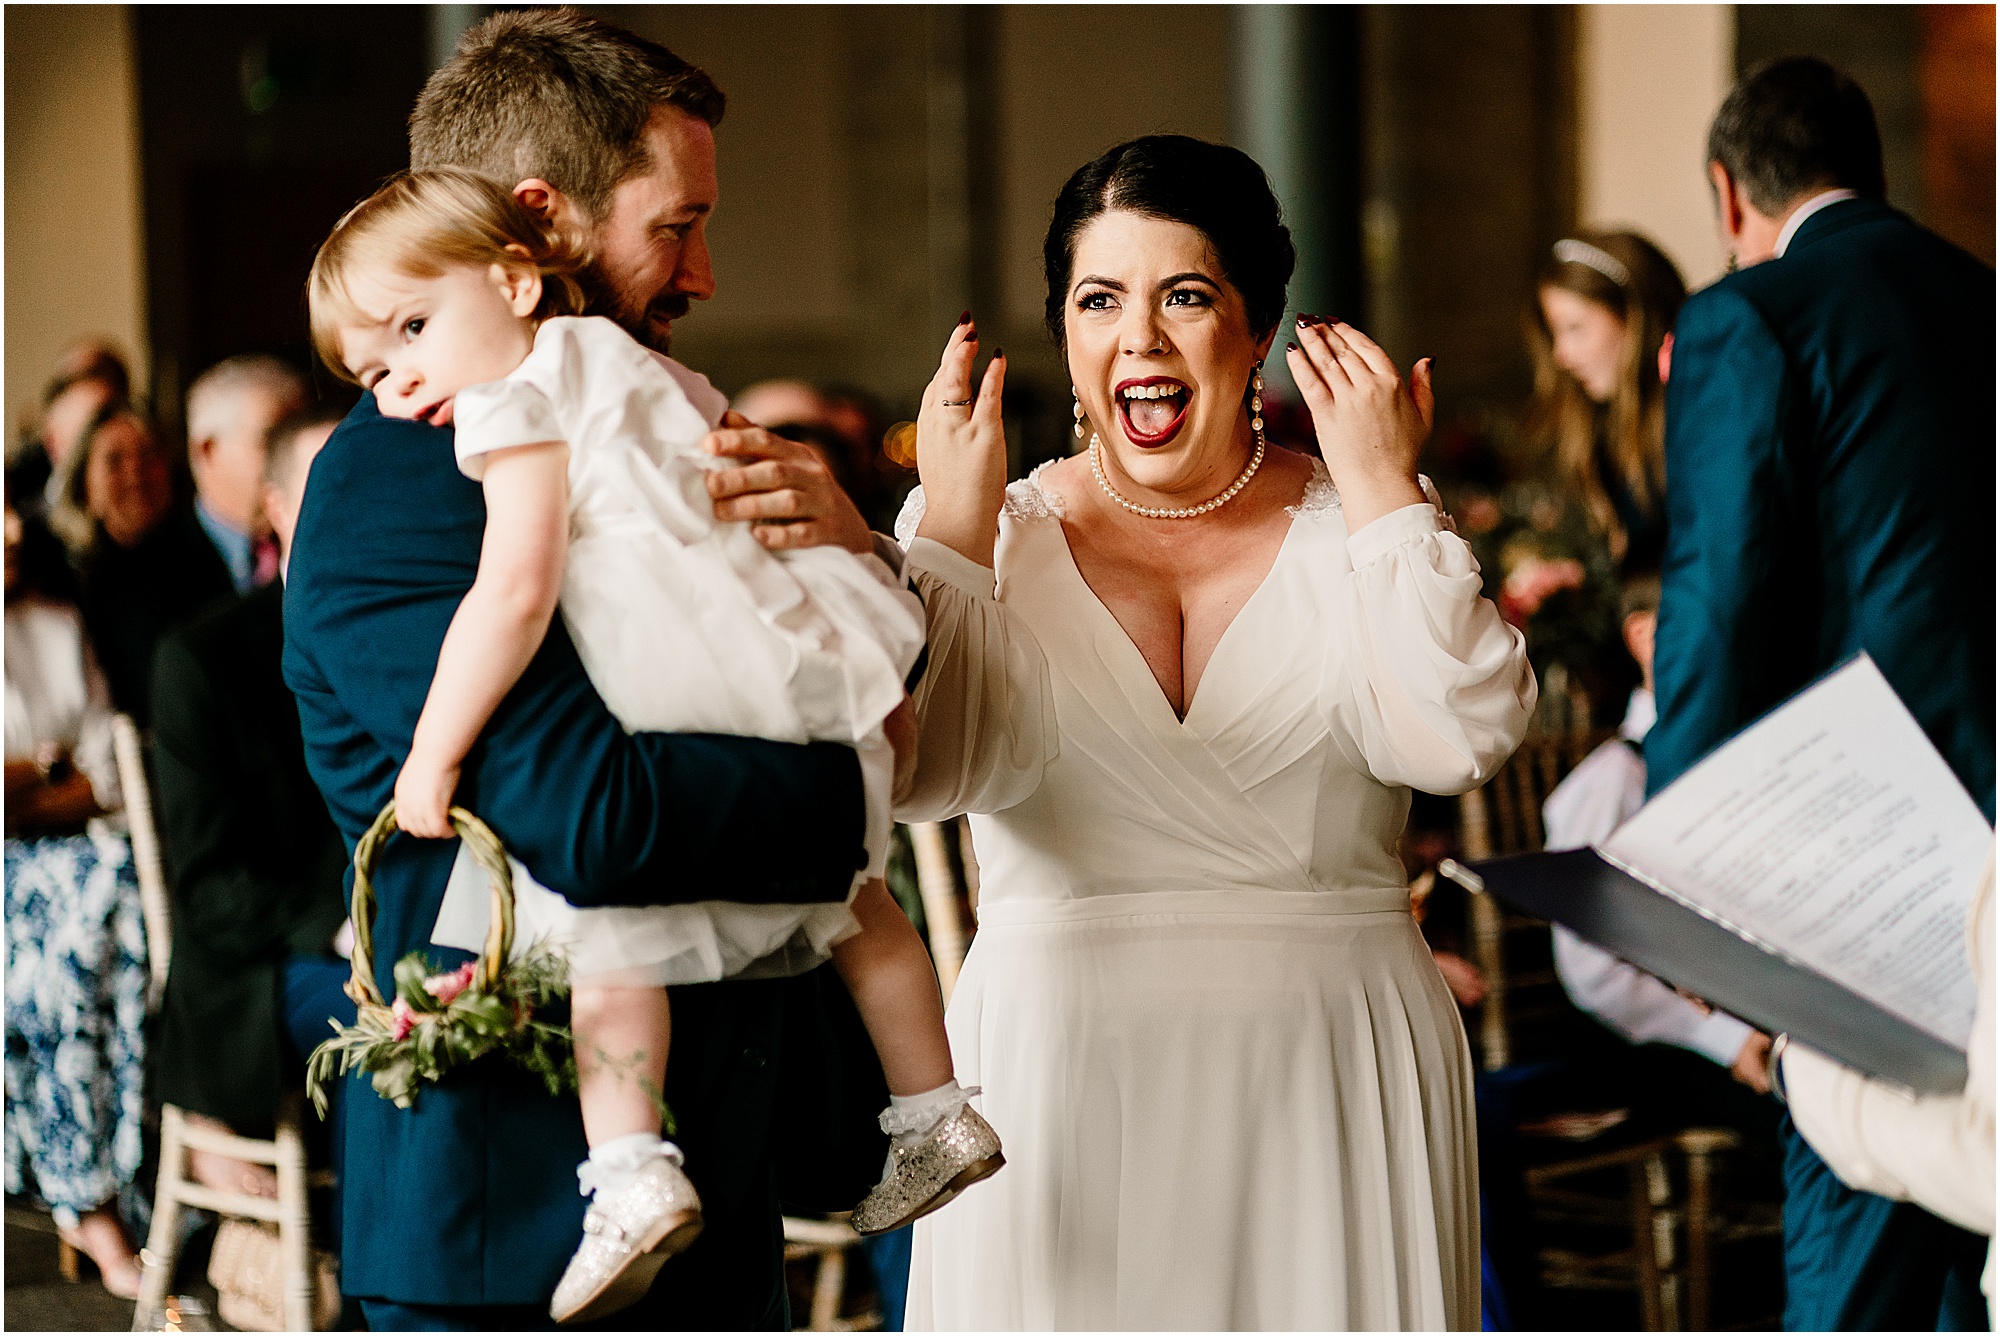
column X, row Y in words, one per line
column 440, row 1020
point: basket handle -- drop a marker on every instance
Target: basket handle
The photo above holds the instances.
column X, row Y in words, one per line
column 487, row 851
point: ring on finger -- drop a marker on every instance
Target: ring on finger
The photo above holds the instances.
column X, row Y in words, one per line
column 954, row 403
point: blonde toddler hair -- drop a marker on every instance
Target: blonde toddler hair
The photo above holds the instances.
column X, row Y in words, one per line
column 423, row 223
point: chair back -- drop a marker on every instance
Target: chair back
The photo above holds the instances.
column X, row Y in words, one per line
column 155, row 903
column 1513, row 952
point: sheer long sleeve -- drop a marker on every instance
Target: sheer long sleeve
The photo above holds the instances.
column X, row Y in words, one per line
column 985, row 713
column 1934, row 1150
column 1438, row 691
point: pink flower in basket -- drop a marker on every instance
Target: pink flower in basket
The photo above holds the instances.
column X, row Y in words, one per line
column 445, row 987
column 402, row 1019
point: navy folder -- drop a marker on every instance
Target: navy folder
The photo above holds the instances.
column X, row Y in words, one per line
column 1604, row 905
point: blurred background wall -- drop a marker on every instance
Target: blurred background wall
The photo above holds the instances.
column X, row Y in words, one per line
column 169, row 170
column 75, row 238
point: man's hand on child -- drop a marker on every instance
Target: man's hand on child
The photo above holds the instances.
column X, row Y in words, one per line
column 423, row 798
column 784, row 488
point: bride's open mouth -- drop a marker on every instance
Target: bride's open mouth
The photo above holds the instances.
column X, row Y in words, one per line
column 1152, row 409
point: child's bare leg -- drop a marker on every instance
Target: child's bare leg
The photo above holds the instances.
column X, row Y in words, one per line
column 634, row 1175
column 621, row 1036
column 896, row 990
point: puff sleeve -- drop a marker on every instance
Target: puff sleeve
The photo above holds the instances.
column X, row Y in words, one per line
column 1437, row 688
column 985, row 713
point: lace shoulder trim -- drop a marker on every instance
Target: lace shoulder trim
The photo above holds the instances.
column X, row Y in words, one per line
column 910, row 516
column 1025, row 501
column 1322, row 498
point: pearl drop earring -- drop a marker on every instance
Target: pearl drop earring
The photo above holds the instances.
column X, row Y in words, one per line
column 1257, row 405
column 1076, row 411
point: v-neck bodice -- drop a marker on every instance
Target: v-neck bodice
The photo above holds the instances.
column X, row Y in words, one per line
column 1358, row 668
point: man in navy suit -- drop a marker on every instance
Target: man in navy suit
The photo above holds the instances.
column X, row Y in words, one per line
column 461, row 1212
column 1830, row 474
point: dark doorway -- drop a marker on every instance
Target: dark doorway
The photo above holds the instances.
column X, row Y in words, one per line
column 262, row 124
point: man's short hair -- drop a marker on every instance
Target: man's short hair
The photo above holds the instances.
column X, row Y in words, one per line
column 550, row 93
column 1794, row 126
column 1639, row 593
column 212, row 401
column 282, row 457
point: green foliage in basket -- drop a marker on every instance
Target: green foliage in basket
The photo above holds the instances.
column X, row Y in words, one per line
column 441, row 1021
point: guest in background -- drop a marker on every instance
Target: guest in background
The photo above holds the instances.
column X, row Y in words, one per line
column 778, row 403
column 76, row 947
column 1604, row 302
column 145, row 562
column 253, row 857
column 859, row 420
column 1607, row 788
column 1830, row 474
column 231, row 408
column 69, row 406
column 1935, row 1150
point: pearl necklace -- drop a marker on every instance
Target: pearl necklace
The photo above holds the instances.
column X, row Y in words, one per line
column 1185, row 513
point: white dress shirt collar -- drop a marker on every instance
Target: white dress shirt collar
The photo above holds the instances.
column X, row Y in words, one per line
column 1640, row 712
column 1805, row 211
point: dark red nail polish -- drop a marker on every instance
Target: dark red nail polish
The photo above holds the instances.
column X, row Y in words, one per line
column 965, row 317
column 999, row 353
column 1291, row 347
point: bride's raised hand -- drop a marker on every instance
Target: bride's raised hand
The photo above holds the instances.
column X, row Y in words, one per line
column 962, row 450
column 1371, row 422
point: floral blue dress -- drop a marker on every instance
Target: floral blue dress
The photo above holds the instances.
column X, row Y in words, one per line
column 76, row 1004
column 76, row 944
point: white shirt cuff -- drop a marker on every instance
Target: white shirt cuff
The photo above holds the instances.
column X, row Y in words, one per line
column 890, row 552
column 1719, row 1037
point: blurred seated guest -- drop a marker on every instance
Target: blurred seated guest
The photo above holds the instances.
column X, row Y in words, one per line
column 76, row 947
column 777, row 403
column 1606, row 788
column 1604, row 303
column 94, row 357
column 253, row 857
column 857, row 418
column 145, row 563
column 72, row 401
column 231, row 408
column 1934, row 1150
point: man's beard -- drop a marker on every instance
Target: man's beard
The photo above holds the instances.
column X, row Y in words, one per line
column 638, row 320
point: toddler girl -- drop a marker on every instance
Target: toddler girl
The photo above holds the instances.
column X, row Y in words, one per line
column 448, row 300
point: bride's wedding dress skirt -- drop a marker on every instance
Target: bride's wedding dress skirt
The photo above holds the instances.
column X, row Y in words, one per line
column 1259, row 1126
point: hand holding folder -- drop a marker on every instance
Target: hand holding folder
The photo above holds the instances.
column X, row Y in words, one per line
column 1810, row 876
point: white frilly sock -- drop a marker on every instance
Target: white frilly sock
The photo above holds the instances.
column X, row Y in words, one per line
column 618, row 1161
column 909, row 1118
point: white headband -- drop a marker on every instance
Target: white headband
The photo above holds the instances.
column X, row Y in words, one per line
column 1590, row 257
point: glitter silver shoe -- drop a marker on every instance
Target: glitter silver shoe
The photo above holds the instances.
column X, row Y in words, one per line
column 925, row 1175
column 628, row 1235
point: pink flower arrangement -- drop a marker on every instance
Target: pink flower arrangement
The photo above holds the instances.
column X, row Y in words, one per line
column 403, row 1019
column 1534, row 582
column 445, row 987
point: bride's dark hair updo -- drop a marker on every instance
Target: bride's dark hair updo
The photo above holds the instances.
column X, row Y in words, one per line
column 1219, row 191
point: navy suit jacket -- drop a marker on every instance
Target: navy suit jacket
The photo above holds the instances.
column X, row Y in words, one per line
column 470, row 1197
column 1830, row 472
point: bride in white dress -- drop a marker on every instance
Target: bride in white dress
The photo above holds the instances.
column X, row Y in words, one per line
column 1185, row 685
